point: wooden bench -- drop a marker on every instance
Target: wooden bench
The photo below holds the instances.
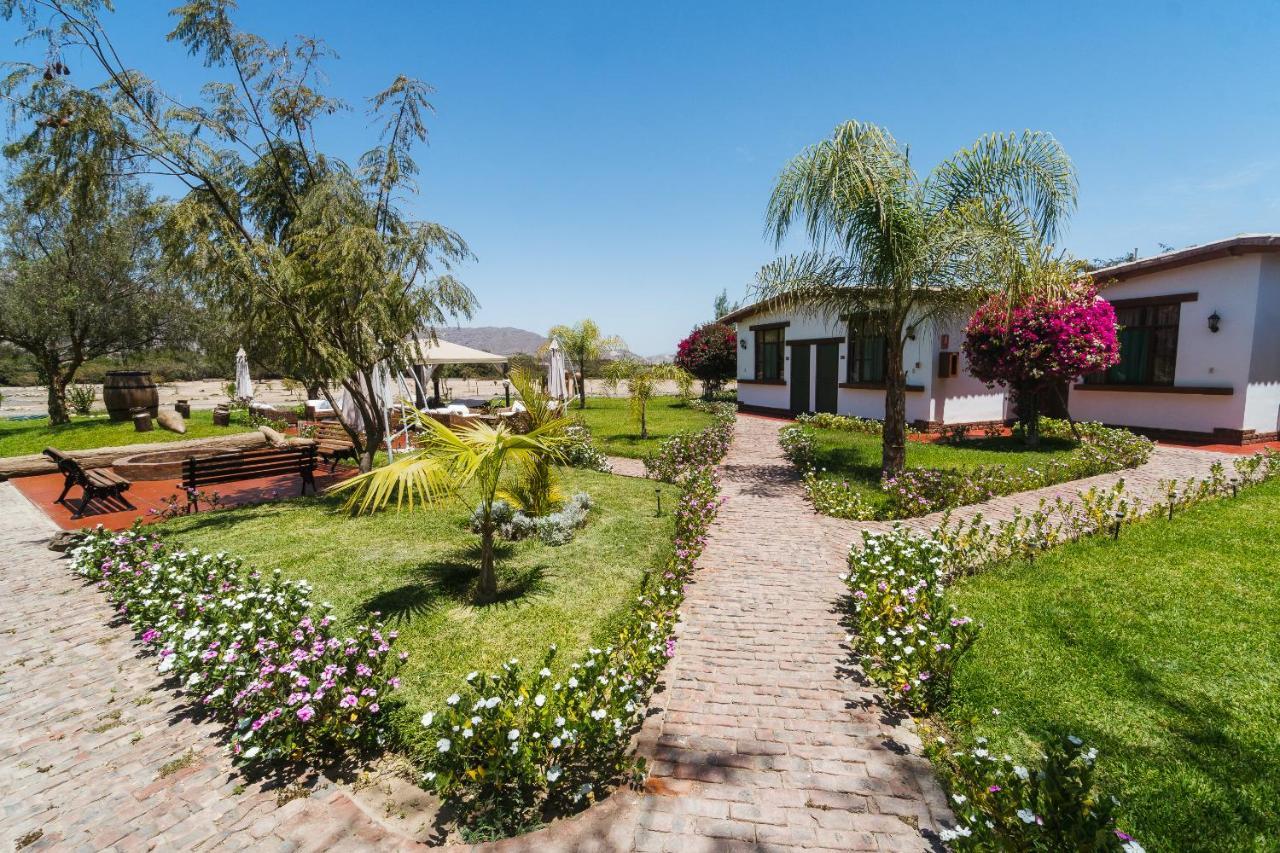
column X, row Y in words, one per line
column 97, row 483
column 198, row 472
column 333, row 443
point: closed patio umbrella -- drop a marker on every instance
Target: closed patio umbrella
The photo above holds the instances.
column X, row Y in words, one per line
column 557, row 387
column 244, row 384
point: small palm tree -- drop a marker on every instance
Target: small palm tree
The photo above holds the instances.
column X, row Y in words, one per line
column 537, row 491
column 456, row 465
column 582, row 344
column 641, row 380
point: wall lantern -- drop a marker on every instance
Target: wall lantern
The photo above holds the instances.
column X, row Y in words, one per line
column 911, row 333
column 1214, row 322
column 743, row 342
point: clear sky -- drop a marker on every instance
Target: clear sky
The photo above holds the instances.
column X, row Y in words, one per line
column 613, row 160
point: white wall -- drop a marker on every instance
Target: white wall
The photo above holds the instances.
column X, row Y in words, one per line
column 1226, row 285
column 1262, row 403
column 961, row 399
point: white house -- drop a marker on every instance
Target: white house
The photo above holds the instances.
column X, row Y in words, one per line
column 789, row 363
column 1199, row 341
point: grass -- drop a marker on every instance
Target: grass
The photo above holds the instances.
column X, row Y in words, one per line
column 855, row 457
column 418, row 569
column 1160, row 649
column 619, row 435
column 20, row 437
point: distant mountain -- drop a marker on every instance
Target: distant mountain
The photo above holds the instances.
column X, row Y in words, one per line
column 503, row 340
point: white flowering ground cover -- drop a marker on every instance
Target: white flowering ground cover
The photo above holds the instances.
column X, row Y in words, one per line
column 417, row 569
column 1160, row 650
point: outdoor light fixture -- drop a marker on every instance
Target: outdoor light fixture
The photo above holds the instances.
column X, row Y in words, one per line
column 506, row 389
column 911, row 333
column 743, row 342
column 1214, row 322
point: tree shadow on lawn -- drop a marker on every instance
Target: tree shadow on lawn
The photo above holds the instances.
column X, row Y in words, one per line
column 1195, row 717
column 443, row 583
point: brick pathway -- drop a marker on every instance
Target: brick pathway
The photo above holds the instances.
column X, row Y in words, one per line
column 763, row 739
column 95, row 755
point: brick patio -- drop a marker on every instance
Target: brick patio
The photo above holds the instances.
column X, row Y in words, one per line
column 762, row 739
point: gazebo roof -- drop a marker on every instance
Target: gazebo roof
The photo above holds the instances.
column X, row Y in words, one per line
column 444, row 352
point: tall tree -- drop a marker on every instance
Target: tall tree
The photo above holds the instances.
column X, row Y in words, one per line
column 312, row 257
column 722, row 305
column 900, row 250
column 583, row 344
column 79, row 266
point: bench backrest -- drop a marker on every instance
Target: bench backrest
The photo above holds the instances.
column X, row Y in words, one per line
column 67, row 466
column 332, row 432
column 248, row 465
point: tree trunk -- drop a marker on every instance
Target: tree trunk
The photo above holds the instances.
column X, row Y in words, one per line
column 487, row 590
column 58, row 413
column 1031, row 427
column 582, row 384
column 893, row 456
column 644, row 424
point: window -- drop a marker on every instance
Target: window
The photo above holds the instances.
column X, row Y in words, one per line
column 1148, row 346
column 769, row 350
column 868, row 350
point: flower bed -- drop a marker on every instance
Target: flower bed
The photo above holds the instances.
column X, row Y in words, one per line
column 251, row 647
column 511, row 748
column 920, row 491
column 687, row 451
column 908, row 640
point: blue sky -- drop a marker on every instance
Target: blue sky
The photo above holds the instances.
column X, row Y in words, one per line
column 613, row 160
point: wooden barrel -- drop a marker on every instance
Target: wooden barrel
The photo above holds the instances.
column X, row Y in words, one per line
column 124, row 391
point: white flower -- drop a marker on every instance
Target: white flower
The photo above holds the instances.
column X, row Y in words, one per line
column 492, row 701
column 573, row 682
column 467, row 732
column 553, row 773
column 1026, row 815
column 428, row 717
column 539, row 700
column 514, row 734
column 995, row 712
column 443, row 744
column 544, row 672
column 959, row 798
column 555, row 742
column 429, row 776
column 1132, row 846
column 471, row 676
column 598, row 714
column 453, row 700
column 1021, row 772
column 1075, row 741
column 252, row 752
column 560, row 722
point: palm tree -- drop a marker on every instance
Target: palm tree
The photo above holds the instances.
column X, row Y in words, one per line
column 896, row 250
column 641, row 380
column 459, row 465
column 582, row 344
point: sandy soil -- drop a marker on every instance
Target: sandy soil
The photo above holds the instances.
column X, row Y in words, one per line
column 206, row 393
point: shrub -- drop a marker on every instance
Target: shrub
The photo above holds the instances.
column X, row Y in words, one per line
column 512, row 746
column 797, row 444
column 687, row 451
column 907, row 639
column 710, row 353
column 557, row 528
column 843, row 423
column 82, row 398
column 249, row 645
column 1003, row 805
column 837, row 498
column 581, row 451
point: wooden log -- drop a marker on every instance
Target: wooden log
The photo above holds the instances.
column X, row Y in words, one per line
column 102, row 457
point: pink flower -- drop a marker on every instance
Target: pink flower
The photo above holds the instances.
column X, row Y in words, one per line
column 305, row 713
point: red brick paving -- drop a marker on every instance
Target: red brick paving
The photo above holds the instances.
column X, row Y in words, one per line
column 149, row 497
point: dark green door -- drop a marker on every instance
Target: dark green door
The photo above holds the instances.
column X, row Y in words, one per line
column 826, row 383
column 799, row 379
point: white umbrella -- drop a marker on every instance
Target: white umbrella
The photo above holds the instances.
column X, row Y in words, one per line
column 244, row 384
column 557, row 387
column 379, row 395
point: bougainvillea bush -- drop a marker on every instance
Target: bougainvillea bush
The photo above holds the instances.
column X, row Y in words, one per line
column 251, row 647
column 1036, row 343
column 907, row 639
column 710, row 353
column 511, row 748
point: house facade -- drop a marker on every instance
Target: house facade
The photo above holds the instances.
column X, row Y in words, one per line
column 790, row 363
column 1199, row 344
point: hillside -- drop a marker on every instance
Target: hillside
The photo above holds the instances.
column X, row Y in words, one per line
column 503, row 340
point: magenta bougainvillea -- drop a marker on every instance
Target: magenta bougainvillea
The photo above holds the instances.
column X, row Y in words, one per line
column 710, row 354
column 1041, row 341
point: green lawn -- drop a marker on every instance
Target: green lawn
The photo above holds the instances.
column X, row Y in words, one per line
column 618, row 435
column 1161, row 649
column 855, row 457
column 417, row 568
column 20, row 437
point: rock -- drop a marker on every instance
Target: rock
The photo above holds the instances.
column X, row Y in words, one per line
column 273, row 438
column 172, row 421
column 63, row 540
